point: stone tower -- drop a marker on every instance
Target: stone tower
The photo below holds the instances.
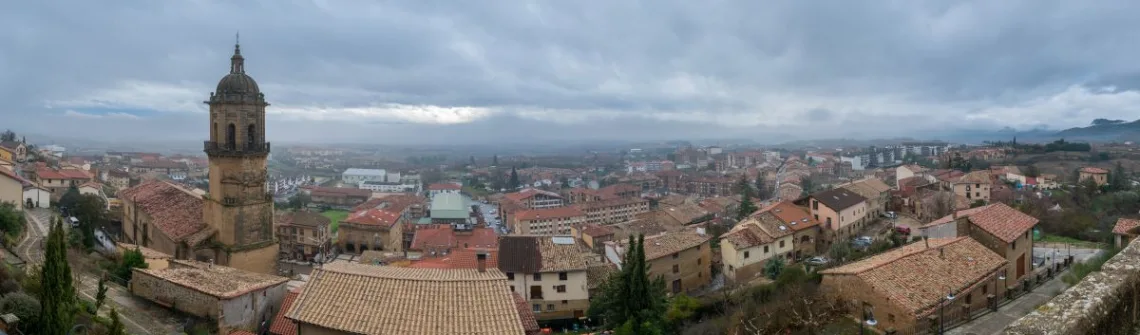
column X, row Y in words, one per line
column 238, row 205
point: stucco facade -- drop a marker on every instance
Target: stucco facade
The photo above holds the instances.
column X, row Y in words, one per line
column 244, row 310
column 552, row 297
column 692, row 271
column 743, row 264
column 11, row 190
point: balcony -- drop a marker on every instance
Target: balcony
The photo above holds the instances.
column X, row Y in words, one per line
column 236, row 149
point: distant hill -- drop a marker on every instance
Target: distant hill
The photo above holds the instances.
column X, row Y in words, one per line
column 1104, row 130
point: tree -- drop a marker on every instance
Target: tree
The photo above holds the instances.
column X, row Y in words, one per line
column 91, row 212
column 773, row 267
column 513, row 182
column 629, row 299
column 11, row 220
column 57, row 303
column 1031, row 171
column 300, row 200
column 1118, row 179
column 117, row 327
column 70, row 197
column 746, row 207
column 763, row 192
column 101, row 294
column 743, row 188
column 25, row 307
column 7, row 136
column 131, row 259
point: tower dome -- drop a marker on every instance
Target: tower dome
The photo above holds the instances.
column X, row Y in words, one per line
column 237, row 82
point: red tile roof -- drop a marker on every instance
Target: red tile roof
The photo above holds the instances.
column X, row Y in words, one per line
column 339, row 191
column 797, row 218
column 547, row 213
column 1125, row 226
column 530, row 325
column 458, row 259
column 529, row 192
column 961, row 214
column 444, row 237
column 915, row 276
column 282, row 325
column 596, row 230
column 444, row 187
column 1003, row 221
column 1093, row 170
column 374, row 217
column 175, row 211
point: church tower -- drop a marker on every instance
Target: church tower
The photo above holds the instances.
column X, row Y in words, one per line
column 238, row 205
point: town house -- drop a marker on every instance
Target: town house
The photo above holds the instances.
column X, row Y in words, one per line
column 301, row 235
column 877, row 192
column 751, row 243
column 550, row 272
column 840, row 212
column 1003, row 229
column 804, row 227
column 683, row 258
column 547, row 221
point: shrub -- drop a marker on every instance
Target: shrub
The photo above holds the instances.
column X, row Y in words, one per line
column 9, row 286
column 24, row 306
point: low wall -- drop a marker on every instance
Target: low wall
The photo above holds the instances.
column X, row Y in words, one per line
column 1105, row 302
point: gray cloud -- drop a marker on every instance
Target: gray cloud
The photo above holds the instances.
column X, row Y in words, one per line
column 500, row 70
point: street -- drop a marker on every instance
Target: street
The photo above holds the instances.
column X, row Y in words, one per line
column 131, row 310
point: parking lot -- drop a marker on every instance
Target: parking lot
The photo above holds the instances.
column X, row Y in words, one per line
column 491, row 216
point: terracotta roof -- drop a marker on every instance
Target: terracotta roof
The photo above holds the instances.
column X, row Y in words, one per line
column 838, row 199
column 339, row 192
column 10, row 145
column 308, row 219
column 160, row 164
column 218, row 281
column 596, row 230
column 547, row 213
column 118, row 174
column 375, row 300
column 374, row 217
column 916, row 277
column 457, row 259
column 1093, row 170
column 529, row 192
column 670, row 243
column 281, row 325
column 444, row 187
column 686, row 213
column 526, row 314
column 1003, row 221
column 395, row 202
column 92, row 184
column 1125, row 226
column 976, row 177
column 444, row 237
column 175, row 211
column 797, row 218
column 746, row 236
column 614, row 189
column 597, row 273
column 532, row 254
column 961, row 214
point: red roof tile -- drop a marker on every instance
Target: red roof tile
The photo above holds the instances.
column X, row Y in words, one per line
column 374, row 217
column 175, row 211
column 1093, row 170
column 530, row 325
column 444, row 187
column 282, row 325
column 529, row 192
column 797, row 218
column 445, row 238
column 596, row 230
column 546, row 213
column 458, row 259
column 1125, row 226
column 1003, row 221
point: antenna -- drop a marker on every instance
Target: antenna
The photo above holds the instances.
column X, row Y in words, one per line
column 237, row 37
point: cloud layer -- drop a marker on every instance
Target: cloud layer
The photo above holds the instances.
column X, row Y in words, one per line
column 498, row 70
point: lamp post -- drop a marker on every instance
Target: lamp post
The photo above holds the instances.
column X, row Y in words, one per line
column 868, row 318
column 942, row 312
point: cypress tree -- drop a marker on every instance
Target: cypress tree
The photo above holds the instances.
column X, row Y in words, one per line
column 117, row 327
column 58, row 300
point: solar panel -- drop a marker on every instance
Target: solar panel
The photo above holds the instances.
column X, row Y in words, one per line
column 562, row 240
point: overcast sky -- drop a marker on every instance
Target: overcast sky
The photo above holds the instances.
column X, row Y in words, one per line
column 517, row 70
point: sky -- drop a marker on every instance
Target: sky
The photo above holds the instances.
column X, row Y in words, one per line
column 504, row 71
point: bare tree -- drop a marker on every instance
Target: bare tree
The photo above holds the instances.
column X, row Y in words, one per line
column 942, row 203
column 797, row 307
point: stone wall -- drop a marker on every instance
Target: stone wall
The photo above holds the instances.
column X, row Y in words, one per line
column 1105, row 302
column 165, row 293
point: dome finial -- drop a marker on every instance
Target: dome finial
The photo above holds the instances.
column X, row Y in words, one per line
column 237, row 62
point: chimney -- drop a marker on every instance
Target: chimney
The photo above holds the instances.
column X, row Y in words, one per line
column 481, row 261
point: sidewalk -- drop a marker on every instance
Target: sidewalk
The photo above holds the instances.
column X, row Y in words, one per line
column 994, row 323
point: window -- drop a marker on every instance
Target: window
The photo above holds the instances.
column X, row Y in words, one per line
column 549, row 307
column 781, row 244
column 986, row 289
column 536, row 292
column 815, row 204
column 977, row 194
column 1013, row 245
column 538, row 277
column 565, row 302
column 698, row 261
column 251, row 136
column 765, row 249
column 977, row 185
column 890, row 317
column 560, row 288
column 676, row 255
column 231, row 136
column 969, row 297
column 561, row 276
column 512, row 288
column 676, row 268
column 537, row 308
column 745, row 254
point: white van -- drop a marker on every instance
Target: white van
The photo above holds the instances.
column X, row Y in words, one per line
column 74, row 222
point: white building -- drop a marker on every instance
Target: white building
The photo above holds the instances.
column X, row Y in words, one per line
column 386, row 187
column 857, row 162
column 356, row 176
column 41, row 197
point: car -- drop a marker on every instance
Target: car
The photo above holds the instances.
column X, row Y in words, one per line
column 902, row 230
column 817, row 261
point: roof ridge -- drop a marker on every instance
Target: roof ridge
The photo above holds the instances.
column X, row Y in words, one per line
column 912, row 253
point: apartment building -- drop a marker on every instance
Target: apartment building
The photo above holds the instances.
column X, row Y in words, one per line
column 302, row 235
column 546, row 221
column 840, row 212
column 550, row 272
column 613, row 210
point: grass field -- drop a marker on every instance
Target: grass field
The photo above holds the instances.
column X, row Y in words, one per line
column 335, row 215
column 1071, row 241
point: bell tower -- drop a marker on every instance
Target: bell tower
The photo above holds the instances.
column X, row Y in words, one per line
column 238, row 205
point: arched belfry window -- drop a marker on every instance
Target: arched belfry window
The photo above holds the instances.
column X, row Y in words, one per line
column 231, row 136
column 251, row 136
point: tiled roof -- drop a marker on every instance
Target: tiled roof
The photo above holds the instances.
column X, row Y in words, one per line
column 444, row 187
column 444, row 237
column 281, row 325
column 772, row 225
column 1093, row 170
column 797, row 218
column 597, row 273
column 548, row 213
column 338, row 192
column 175, row 211
column 215, row 280
column 746, row 236
column 838, row 199
column 1003, row 221
column 458, row 259
column 160, row 164
column 380, row 300
column 916, row 277
column 670, row 243
column 374, row 217
column 686, row 213
column 526, row 314
column 1125, row 226
column 961, row 214
column 596, row 230
column 976, row 177
column 531, row 254
column 308, row 219
column 529, row 192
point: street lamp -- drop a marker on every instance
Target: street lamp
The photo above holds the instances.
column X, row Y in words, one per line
column 941, row 312
column 868, row 318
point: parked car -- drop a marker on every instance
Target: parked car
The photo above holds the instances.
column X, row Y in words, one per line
column 862, row 242
column 902, row 230
column 817, row 261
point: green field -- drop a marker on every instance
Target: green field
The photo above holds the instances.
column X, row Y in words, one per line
column 334, row 215
column 1072, row 241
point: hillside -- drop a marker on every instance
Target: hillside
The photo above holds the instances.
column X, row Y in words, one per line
column 1105, row 130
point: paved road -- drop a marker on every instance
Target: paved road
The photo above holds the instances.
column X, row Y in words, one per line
column 31, row 248
column 994, row 323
